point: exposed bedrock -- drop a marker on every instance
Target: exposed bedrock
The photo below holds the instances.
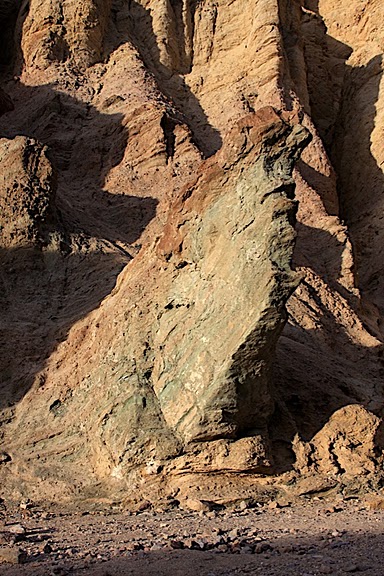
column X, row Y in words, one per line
column 192, row 356
column 60, row 30
column 219, row 384
column 27, row 201
column 162, row 165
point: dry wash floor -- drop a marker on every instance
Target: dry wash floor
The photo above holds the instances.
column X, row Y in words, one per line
column 314, row 538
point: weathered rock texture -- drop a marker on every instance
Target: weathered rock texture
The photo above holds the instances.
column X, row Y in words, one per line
column 27, row 192
column 335, row 330
column 147, row 213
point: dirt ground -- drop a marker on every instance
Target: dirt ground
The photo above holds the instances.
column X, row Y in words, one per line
column 314, row 537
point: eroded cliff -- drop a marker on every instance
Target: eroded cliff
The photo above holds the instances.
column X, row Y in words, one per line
column 148, row 212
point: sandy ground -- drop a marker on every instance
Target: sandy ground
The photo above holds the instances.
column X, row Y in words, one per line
column 307, row 539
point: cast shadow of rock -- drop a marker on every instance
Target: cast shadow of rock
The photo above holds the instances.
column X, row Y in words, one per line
column 84, row 145
column 361, row 178
column 323, row 185
column 343, row 100
column 134, row 23
column 323, row 253
column 346, row 121
column 8, row 16
column 319, row 370
column 45, row 290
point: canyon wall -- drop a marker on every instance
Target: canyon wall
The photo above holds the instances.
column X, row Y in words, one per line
column 190, row 248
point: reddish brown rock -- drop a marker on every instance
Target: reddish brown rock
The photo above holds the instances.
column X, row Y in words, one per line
column 27, row 191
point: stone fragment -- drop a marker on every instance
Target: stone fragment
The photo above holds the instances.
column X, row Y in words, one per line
column 177, row 544
column 198, row 505
column 352, row 568
column 348, row 445
column 12, row 555
column 313, row 484
column 233, row 534
column 47, row 548
column 325, row 569
column 262, row 547
column 234, row 547
column 331, row 510
column 283, row 502
column 375, row 503
column 26, row 504
column 289, row 548
column 5, row 457
column 247, row 549
column 17, row 528
column 211, row 514
column 216, row 540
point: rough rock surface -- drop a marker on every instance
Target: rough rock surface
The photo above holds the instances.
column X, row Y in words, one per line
column 339, row 537
column 190, row 370
column 147, row 212
column 27, row 192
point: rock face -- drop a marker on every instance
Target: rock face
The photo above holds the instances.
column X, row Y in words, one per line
column 335, row 331
column 216, row 340
column 62, row 30
column 27, row 192
column 148, row 200
column 194, row 360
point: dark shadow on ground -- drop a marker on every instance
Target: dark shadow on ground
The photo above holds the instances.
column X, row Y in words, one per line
column 44, row 291
column 134, row 23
